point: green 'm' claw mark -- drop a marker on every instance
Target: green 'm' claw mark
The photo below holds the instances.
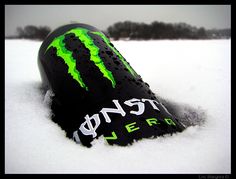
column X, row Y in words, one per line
column 66, row 55
column 106, row 40
column 82, row 34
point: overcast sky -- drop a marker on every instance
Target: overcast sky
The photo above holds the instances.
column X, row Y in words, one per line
column 101, row 16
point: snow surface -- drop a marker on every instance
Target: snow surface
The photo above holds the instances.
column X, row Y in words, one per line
column 196, row 73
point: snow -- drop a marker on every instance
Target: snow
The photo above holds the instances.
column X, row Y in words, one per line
column 185, row 72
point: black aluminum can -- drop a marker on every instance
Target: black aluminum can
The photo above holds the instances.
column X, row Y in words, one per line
column 97, row 92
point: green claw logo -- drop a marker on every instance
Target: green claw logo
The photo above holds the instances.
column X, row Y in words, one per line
column 66, row 55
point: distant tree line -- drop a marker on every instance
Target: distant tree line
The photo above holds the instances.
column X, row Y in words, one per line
column 161, row 30
column 137, row 31
column 31, row 32
column 219, row 33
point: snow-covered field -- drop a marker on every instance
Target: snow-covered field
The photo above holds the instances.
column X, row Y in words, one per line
column 195, row 73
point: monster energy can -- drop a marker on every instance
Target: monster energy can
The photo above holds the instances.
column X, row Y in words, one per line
column 97, row 92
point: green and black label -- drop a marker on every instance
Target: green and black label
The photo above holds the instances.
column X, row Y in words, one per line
column 94, row 51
